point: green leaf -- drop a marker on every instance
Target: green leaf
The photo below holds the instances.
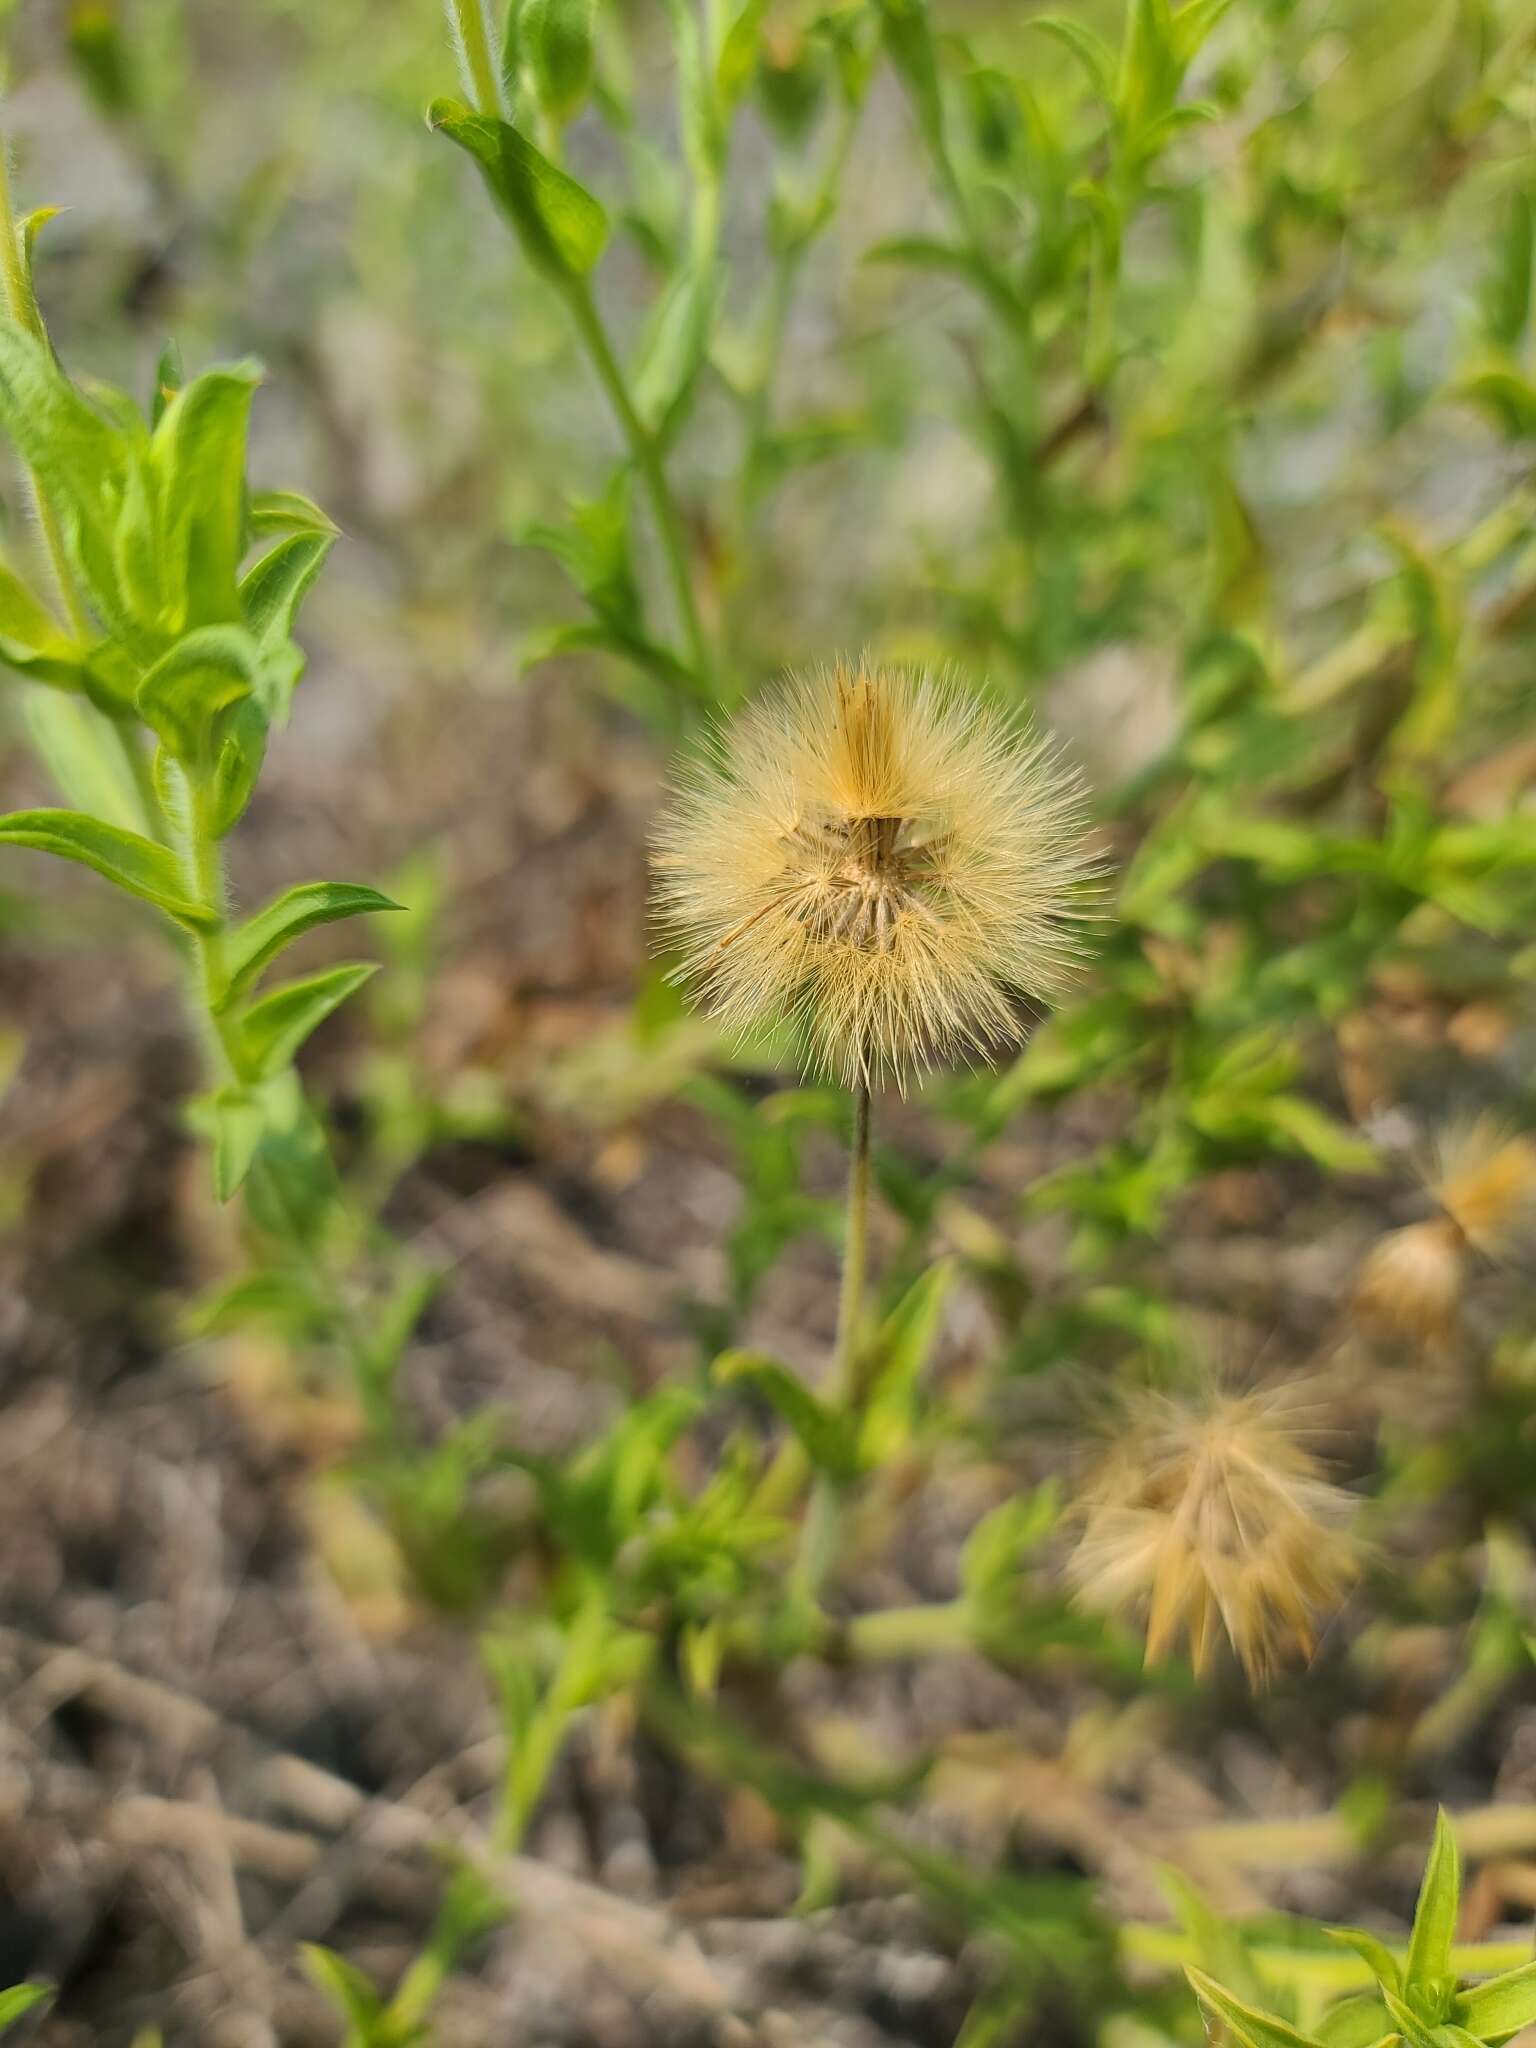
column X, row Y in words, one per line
column 1087, row 46
column 32, row 226
column 738, row 52
column 271, row 1296
column 1192, row 24
column 242, row 750
column 1354, row 2023
column 22, row 1998
column 825, row 1436
column 288, row 512
column 561, row 227
column 897, row 1359
column 169, row 378
column 557, row 39
column 125, row 858
column 1253, row 2028
column 207, row 671
column 1216, row 1941
column 261, row 938
column 1149, row 68
column 1507, row 294
column 675, row 349
column 234, row 1120
column 274, row 1029
column 908, row 34
column 273, row 588
column 80, row 459
column 1500, row 2007
column 1416, row 2031
column 1428, row 1970
column 348, row 1990
column 1508, row 395
column 996, row 1548
column 31, row 641
column 1379, row 1958
column 197, row 456
column 292, row 1191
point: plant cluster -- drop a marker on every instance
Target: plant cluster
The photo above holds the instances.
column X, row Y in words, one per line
column 1157, row 242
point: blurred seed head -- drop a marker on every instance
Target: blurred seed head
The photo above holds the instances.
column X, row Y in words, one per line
column 881, row 860
column 1484, row 1178
column 1209, row 1515
column 1412, row 1281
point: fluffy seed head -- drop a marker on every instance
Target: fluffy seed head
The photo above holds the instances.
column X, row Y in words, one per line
column 1412, row 1280
column 880, row 859
column 1211, row 1515
column 1484, row 1178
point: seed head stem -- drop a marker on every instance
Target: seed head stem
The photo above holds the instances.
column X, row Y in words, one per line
column 822, row 1528
column 850, row 1309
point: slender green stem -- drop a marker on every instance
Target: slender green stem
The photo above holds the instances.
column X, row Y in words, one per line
column 482, row 81
column 647, row 460
column 472, row 40
column 203, row 859
column 850, row 1309
column 822, row 1528
column 787, row 1474
column 936, row 1630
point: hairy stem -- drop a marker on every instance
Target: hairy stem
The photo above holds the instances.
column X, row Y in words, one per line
column 822, row 1528
column 472, row 40
column 647, row 460
column 850, row 1307
column 477, row 61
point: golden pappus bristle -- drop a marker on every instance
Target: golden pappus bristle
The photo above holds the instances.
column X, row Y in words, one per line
column 882, row 860
column 1208, row 1516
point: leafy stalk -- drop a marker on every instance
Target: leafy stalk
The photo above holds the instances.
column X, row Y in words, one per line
column 22, row 307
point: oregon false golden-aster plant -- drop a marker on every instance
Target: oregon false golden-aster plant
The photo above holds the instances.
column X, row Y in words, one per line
column 161, row 661
column 889, row 867
column 1413, row 1998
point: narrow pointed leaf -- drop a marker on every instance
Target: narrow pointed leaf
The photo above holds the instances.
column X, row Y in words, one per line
column 198, row 455
column 31, row 641
column 1086, row 45
column 1353, row 2023
column 261, row 938
column 1417, row 2032
column 824, row 1436
column 561, row 227
column 203, row 674
column 274, row 1029
column 1501, row 2006
column 557, row 39
column 1434, row 1920
column 80, row 459
column 128, row 859
column 237, row 1121
column 288, row 512
column 1381, row 1961
column 22, row 1998
column 1253, row 2028
column 273, row 588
